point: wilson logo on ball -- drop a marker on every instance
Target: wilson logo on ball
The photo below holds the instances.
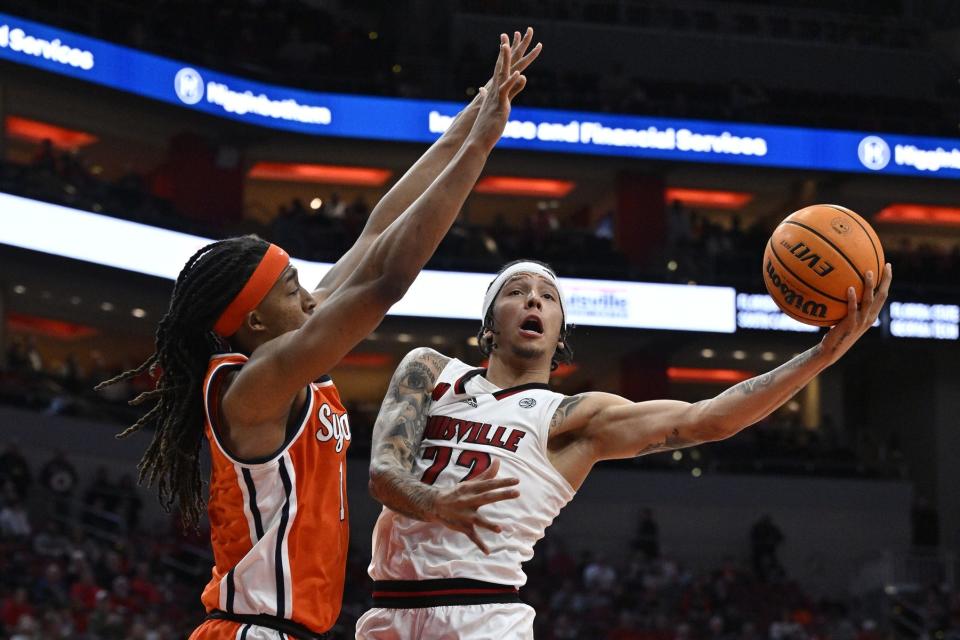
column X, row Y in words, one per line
column 803, row 253
column 791, row 298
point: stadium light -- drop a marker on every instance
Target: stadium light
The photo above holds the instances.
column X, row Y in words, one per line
column 518, row 186
column 708, row 199
column 48, row 327
column 910, row 213
column 37, row 131
column 708, row 376
column 320, row 173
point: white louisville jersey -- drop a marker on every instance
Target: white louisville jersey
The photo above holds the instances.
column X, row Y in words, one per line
column 470, row 423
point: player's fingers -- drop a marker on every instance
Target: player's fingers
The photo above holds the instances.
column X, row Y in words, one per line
column 870, row 283
column 490, row 497
column 523, row 45
column 498, row 68
column 494, row 484
column 486, row 524
column 473, row 535
column 851, row 302
column 507, row 72
column 516, row 41
column 881, row 296
column 518, row 87
column 526, row 60
column 506, row 89
column 489, row 472
column 886, row 279
column 503, row 61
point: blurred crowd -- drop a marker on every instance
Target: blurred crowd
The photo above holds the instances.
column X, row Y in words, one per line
column 708, row 250
column 780, row 444
column 698, row 247
column 80, row 564
column 32, row 381
column 327, row 227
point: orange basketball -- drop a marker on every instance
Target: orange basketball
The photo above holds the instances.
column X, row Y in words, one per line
column 813, row 256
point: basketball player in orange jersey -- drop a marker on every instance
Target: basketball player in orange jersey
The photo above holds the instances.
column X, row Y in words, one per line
column 442, row 567
column 240, row 358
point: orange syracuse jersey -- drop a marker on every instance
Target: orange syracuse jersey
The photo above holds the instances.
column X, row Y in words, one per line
column 279, row 524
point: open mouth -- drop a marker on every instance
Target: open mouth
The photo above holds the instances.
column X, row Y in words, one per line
column 532, row 326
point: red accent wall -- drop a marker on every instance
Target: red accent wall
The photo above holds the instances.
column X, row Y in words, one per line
column 201, row 185
column 641, row 217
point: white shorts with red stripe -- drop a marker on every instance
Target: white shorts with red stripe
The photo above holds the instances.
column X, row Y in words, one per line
column 512, row 621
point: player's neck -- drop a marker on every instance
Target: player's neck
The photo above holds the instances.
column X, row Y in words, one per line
column 513, row 374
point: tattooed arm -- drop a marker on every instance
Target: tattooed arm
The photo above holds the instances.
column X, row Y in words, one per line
column 396, row 443
column 613, row 427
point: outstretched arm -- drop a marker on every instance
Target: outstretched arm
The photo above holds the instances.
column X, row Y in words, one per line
column 263, row 390
column 396, row 442
column 422, row 174
column 614, row 427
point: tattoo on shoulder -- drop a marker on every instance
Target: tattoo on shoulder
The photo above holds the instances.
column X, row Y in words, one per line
column 566, row 406
column 419, row 374
column 402, row 418
column 673, row 440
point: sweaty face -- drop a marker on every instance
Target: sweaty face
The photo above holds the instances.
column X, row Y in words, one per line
column 287, row 305
column 528, row 318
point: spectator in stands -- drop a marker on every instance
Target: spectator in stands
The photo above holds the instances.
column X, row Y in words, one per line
column 51, row 588
column 765, row 537
column 334, row 208
column 59, row 477
column 17, row 360
column 605, row 228
column 34, row 359
column 600, row 575
column 83, row 592
column 106, row 622
column 14, row 471
column 46, row 160
column 142, row 586
column 15, row 607
column 129, row 503
column 560, row 564
column 50, row 542
column 14, row 521
column 102, row 491
column 648, row 535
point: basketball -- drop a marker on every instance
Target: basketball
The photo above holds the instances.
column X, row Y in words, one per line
column 813, row 256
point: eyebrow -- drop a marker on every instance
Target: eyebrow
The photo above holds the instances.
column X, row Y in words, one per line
column 291, row 274
column 533, row 275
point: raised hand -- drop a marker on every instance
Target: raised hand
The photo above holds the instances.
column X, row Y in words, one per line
column 458, row 507
column 519, row 57
column 859, row 317
column 495, row 102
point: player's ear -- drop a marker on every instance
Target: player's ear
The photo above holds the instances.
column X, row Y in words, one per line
column 254, row 321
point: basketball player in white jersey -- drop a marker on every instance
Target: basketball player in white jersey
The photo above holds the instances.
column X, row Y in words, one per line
column 445, row 569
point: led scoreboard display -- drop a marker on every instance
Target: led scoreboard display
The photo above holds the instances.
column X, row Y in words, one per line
column 396, row 119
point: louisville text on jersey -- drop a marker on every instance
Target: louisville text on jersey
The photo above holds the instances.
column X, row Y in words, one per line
column 445, row 428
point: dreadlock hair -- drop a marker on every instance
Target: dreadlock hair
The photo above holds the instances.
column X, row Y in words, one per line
column 563, row 354
column 185, row 340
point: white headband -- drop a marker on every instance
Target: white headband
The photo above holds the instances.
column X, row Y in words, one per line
column 509, row 272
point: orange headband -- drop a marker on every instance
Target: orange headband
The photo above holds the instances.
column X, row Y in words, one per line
column 274, row 261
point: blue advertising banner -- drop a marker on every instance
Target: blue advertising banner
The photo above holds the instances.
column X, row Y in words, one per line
column 404, row 120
